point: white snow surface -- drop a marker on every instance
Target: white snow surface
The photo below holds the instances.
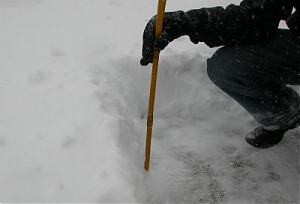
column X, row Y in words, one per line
column 73, row 101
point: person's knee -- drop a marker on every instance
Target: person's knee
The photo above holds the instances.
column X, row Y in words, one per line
column 223, row 66
column 212, row 69
column 215, row 68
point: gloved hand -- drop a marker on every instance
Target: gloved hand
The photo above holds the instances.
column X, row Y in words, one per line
column 175, row 24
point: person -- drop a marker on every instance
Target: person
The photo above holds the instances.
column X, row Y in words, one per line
column 256, row 63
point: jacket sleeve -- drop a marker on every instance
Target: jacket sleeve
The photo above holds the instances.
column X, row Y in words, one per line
column 251, row 21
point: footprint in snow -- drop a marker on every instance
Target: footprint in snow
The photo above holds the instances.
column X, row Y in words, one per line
column 39, row 77
column 68, row 141
column 56, row 52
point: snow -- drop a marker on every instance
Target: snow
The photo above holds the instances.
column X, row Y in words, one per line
column 73, row 100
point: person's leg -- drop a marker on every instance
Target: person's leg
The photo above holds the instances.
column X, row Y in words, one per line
column 257, row 75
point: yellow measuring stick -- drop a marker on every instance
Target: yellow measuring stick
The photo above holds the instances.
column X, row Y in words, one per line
column 158, row 30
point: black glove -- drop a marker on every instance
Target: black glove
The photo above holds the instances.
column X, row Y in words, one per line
column 175, row 24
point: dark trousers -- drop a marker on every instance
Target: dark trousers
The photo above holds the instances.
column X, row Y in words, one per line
column 258, row 76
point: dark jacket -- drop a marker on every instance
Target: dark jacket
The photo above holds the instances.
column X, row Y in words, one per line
column 251, row 21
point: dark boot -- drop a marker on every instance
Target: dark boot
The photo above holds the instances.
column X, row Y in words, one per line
column 262, row 138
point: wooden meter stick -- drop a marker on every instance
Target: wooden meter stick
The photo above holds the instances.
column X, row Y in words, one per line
column 159, row 22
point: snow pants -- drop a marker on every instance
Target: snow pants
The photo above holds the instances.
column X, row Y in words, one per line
column 258, row 77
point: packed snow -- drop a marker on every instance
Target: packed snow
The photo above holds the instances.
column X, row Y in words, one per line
column 73, row 104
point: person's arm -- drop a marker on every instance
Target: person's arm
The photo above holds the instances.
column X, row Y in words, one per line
column 251, row 21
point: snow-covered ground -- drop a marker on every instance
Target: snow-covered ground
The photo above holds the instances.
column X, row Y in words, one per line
column 73, row 100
